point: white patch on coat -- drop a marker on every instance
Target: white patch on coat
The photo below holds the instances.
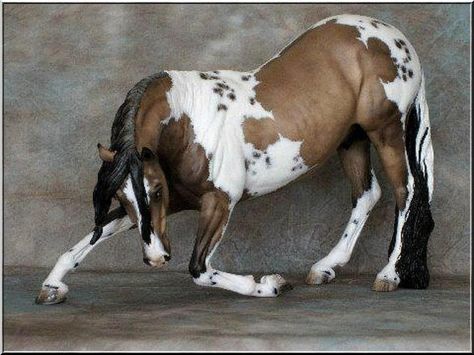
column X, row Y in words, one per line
column 276, row 166
column 342, row 252
column 217, row 105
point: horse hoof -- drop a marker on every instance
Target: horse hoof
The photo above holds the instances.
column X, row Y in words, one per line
column 273, row 286
column 384, row 286
column 51, row 295
column 318, row 277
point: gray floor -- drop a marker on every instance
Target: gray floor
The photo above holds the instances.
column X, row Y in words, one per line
column 159, row 310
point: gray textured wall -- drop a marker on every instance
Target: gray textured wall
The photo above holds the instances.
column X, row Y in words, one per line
column 68, row 68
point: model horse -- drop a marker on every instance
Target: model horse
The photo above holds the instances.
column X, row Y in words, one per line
column 208, row 140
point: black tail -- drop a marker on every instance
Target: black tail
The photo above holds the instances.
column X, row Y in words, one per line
column 412, row 263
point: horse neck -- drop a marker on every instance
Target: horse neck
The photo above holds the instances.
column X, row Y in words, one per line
column 154, row 111
column 176, row 136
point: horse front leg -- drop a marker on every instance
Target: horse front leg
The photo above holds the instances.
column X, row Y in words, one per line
column 214, row 216
column 53, row 290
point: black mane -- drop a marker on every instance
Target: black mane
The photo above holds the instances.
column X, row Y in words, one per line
column 112, row 174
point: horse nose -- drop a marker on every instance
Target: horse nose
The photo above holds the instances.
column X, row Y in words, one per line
column 167, row 258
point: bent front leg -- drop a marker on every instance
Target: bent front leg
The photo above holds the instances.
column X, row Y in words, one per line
column 53, row 289
column 214, row 216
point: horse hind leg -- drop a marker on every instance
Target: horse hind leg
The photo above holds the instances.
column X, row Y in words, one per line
column 355, row 157
column 408, row 164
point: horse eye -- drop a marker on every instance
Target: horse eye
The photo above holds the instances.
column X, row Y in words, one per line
column 158, row 191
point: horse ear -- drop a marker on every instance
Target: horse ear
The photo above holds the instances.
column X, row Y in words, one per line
column 147, row 154
column 106, row 154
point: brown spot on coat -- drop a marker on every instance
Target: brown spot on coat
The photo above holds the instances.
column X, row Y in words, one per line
column 261, row 133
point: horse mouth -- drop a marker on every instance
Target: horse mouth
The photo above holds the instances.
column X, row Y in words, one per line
column 157, row 263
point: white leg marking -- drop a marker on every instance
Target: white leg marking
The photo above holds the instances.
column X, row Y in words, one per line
column 72, row 258
column 388, row 277
column 322, row 271
column 269, row 285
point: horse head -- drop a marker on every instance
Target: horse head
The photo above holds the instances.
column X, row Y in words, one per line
column 144, row 195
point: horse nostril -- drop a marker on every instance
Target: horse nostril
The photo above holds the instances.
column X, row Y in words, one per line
column 167, row 257
column 146, row 261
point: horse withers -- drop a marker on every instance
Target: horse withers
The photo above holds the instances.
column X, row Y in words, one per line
column 208, row 140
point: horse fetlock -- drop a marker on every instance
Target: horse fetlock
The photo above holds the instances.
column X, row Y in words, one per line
column 52, row 293
column 208, row 278
column 201, row 280
column 196, row 269
column 387, row 280
column 320, row 274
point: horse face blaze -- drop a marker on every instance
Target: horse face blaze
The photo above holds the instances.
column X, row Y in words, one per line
column 158, row 199
column 158, row 251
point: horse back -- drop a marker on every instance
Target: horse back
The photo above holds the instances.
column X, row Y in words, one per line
column 259, row 130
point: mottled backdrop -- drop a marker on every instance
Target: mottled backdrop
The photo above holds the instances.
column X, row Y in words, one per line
column 67, row 69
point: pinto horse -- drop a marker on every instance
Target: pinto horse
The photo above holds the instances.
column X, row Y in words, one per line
column 208, row 140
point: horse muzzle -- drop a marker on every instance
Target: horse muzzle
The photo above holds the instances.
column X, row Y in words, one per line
column 156, row 254
column 158, row 263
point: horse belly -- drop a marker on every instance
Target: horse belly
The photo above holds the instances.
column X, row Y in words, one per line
column 269, row 169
